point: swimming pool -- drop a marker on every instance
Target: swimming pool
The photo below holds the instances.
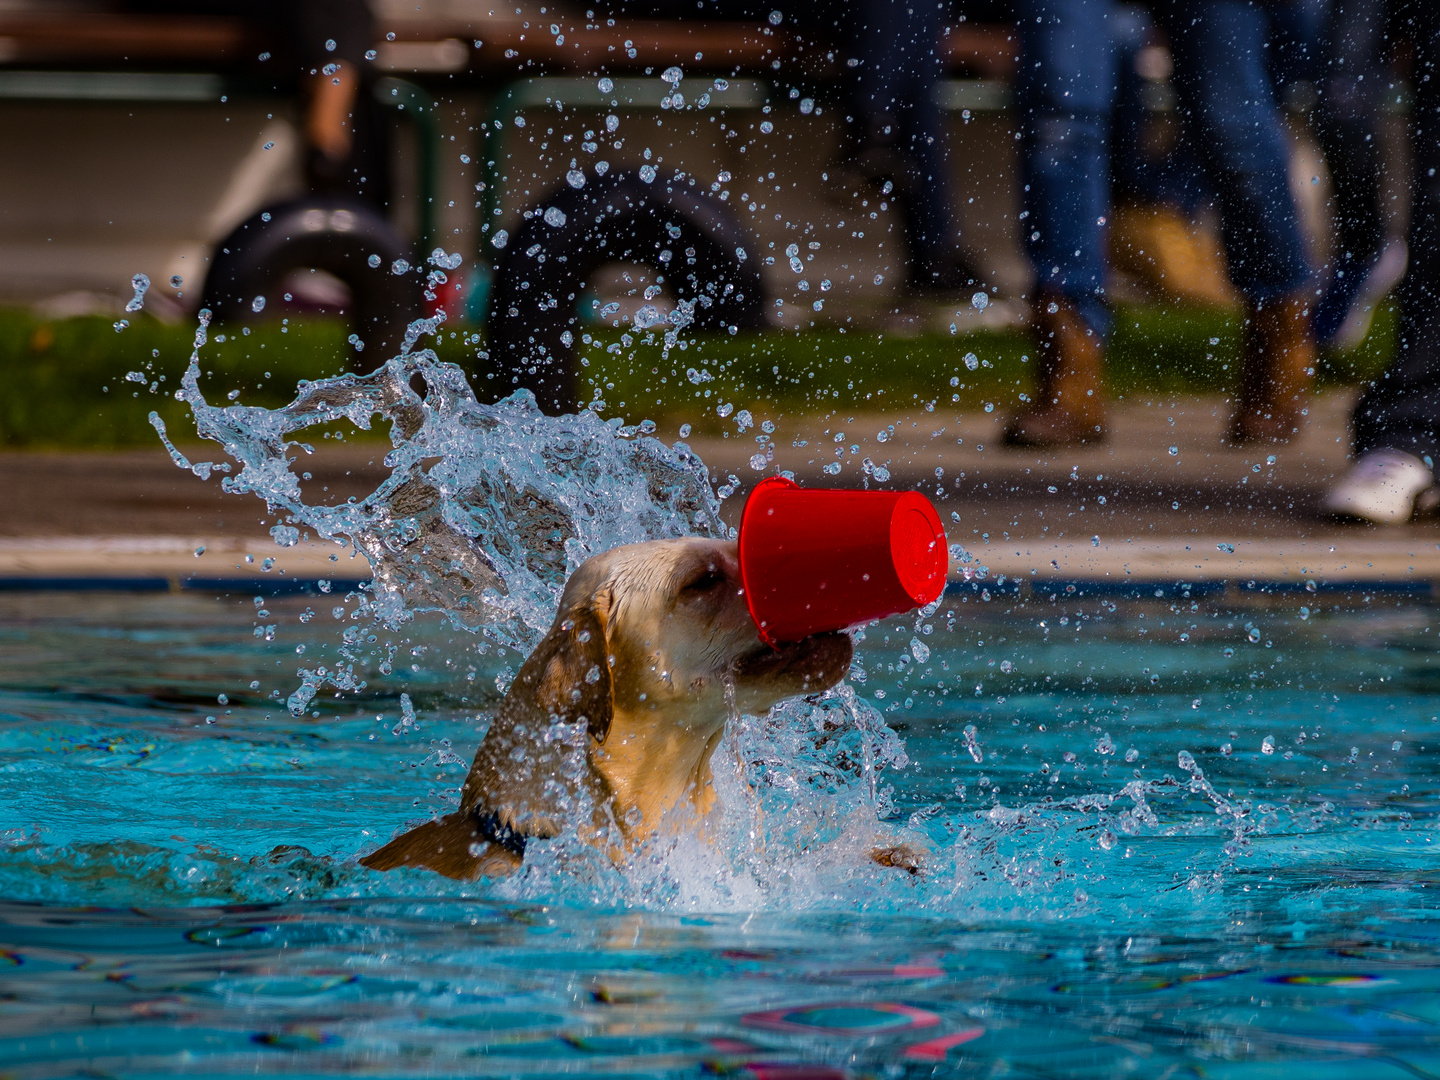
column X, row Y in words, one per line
column 1186, row 836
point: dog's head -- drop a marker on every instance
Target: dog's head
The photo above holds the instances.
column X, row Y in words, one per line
column 662, row 629
column 652, row 649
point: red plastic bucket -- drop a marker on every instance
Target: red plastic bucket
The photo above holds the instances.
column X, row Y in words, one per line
column 818, row 560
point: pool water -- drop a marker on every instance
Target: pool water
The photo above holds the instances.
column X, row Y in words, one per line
column 1185, row 837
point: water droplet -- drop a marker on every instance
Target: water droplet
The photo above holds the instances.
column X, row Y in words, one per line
column 399, row 266
column 724, row 410
column 1095, row 541
column 1229, row 549
column 1267, row 744
column 684, row 431
column 1304, row 613
column 1253, row 635
column 140, row 283
column 776, row 18
column 921, row 652
column 575, row 178
column 500, row 239
column 971, row 361
column 1186, row 760
column 1131, row 754
column 980, row 301
column 647, row 173
column 972, row 744
column 807, row 106
column 672, row 75
column 1174, row 451
column 1226, row 749
column 1227, row 652
column 1104, row 745
column 766, row 127
column 605, row 86
column 258, row 304
column 1395, row 745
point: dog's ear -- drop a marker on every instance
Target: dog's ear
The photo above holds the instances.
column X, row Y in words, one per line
column 571, row 672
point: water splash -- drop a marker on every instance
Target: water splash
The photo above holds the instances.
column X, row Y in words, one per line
column 488, row 508
column 487, row 511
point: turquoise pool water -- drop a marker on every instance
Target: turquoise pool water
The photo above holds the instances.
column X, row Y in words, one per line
column 1187, row 837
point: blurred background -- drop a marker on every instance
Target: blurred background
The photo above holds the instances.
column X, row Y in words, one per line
column 142, row 135
column 695, row 218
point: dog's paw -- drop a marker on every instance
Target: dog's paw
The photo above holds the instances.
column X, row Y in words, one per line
column 901, row 857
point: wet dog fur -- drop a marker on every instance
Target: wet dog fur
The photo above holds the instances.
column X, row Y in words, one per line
column 619, row 709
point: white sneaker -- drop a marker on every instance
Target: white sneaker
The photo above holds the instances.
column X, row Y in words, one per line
column 1381, row 487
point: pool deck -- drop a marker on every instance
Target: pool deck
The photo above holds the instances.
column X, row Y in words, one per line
column 1101, row 518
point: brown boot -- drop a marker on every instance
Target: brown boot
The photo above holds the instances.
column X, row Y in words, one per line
column 1069, row 405
column 1278, row 367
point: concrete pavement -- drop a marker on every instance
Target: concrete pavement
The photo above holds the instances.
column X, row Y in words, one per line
column 1162, row 500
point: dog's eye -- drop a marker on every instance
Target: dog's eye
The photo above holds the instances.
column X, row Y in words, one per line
column 703, row 582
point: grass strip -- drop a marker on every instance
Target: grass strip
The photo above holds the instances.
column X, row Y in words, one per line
column 81, row 383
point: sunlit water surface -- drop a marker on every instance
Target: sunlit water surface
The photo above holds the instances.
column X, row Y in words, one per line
column 1149, row 858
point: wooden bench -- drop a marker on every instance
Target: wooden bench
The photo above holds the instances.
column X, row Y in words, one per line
column 490, row 48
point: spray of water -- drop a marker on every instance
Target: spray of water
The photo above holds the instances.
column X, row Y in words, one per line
column 486, row 512
column 487, row 509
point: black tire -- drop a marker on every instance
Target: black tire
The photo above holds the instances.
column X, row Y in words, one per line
column 336, row 234
column 615, row 218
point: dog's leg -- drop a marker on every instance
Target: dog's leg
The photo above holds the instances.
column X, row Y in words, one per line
column 451, row 846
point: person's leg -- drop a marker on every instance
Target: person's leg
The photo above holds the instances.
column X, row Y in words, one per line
column 897, row 132
column 1065, row 90
column 1348, row 122
column 931, row 226
column 1227, row 97
column 1401, row 409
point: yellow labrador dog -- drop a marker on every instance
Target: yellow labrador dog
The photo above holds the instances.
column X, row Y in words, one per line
column 620, row 708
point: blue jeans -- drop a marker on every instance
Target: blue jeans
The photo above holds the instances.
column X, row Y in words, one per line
column 1066, row 92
